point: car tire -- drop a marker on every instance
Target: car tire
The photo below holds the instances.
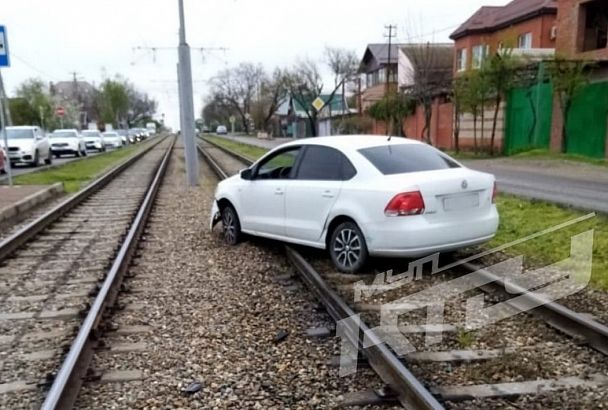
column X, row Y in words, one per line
column 231, row 226
column 49, row 159
column 36, row 160
column 347, row 248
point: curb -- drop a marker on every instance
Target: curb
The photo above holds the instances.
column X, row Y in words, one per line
column 31, row 201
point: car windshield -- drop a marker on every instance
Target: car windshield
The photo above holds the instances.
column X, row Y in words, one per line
column 63, row 134
column 403, row 158
column 90, row 133
column 19, row 134
column 110, row 134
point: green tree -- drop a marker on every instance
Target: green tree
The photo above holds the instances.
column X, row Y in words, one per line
column 500, row 77
column 22, row 112
column 568, row 77
column 36, row 93
column 392, row 109
column 114, row 101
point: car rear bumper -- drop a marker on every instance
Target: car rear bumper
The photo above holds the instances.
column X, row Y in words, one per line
column 416, row 236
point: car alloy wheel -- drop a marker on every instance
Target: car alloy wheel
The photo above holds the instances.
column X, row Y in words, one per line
column 231, row 226
column 348, row 249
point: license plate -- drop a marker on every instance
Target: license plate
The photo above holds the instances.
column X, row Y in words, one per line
column 456, row 203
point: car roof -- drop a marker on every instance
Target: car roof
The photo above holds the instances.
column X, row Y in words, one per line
column 66, row 129
column 353, row 142
column 22, row 127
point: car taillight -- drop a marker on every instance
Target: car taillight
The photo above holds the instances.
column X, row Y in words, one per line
column 494, row 193
column 404, row 204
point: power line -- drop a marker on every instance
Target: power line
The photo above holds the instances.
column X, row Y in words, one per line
column 155, row 49
column 34, row 68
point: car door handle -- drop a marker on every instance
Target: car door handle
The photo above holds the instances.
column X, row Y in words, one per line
column 328, row 194
column 278, row 191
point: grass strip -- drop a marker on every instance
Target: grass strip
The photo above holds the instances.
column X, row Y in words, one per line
column 77, row 173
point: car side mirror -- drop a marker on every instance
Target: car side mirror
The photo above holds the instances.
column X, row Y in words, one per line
column 247, row 174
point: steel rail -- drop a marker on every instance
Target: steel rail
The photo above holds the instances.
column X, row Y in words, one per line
column 230, row 152
column 558, row 316
column 19, row 238
column 411, row 393
column 68, row 381
column 212, row 163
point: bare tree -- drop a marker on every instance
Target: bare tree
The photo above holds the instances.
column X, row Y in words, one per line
column 237, row 88
column 272, row 93
column 344, row 65
column 304, row 84
column 430, row 76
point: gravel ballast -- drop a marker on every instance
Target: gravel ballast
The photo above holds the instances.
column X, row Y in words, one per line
column 217, row 316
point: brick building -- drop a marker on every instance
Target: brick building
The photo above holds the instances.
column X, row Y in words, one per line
column 527, row 27
column 520, row 25
column 582, row 34
column 582, row 28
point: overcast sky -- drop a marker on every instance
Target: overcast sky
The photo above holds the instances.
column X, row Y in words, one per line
column 96, row 39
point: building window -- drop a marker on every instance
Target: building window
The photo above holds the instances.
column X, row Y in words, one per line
column 461, row 59
column 525, row 41
column 595, row 35
column 382, row 76
column 479, row 55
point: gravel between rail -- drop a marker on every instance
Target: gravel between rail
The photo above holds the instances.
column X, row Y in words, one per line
column 210, row 314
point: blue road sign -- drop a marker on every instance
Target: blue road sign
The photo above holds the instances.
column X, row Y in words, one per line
column 4, row 60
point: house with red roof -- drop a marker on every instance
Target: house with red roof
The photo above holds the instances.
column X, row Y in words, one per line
column 527, row 26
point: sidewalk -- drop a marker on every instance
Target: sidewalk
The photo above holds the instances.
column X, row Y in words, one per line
column 18, row 199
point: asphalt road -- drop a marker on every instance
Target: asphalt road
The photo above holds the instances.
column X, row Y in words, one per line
column 24, row 169
column 569, row 183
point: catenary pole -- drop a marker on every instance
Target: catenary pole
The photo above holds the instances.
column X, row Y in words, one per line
column 186, row 101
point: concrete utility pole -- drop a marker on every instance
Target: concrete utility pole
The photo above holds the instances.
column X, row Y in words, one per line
column 186, row 101
column 5, row 118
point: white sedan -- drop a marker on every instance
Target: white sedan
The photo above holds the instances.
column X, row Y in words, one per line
column 112, row 139
column 358, row 196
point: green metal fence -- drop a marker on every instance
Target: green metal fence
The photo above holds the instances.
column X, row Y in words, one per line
column 528, row 118
column 588, row 121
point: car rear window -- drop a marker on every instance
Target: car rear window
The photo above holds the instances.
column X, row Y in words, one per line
column 403, row 158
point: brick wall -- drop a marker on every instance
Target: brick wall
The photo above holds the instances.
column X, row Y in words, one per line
column 540, row 27
column 570, row 34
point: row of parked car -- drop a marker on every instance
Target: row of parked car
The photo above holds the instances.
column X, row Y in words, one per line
column 30, row 145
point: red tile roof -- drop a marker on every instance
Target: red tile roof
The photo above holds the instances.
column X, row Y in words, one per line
column 491, row 18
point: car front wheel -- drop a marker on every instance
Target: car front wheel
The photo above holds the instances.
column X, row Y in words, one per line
column 36, row 159
column 347, row 248
column 231, row 226
column 49, row 159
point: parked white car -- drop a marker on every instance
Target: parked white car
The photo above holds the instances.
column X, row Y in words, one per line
column 27, row 145
column 221, row 130
column 358, row 196
column 93, row 140
column 112, row 139
column 67, row 142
